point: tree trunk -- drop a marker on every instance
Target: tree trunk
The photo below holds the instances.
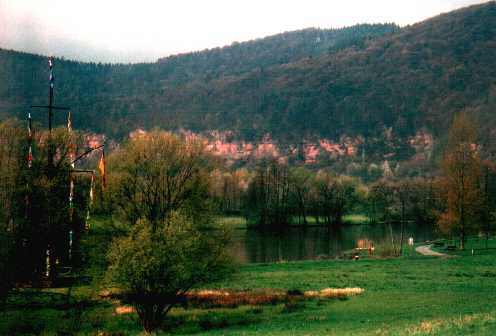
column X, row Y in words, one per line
column 462, row 239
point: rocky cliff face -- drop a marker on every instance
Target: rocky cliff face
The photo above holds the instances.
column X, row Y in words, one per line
column 347, row 155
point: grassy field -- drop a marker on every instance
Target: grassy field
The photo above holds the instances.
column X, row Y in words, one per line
column 239, row 222
column 356, row 219
column 473, row 245
column 233, row 222
column 413, row 295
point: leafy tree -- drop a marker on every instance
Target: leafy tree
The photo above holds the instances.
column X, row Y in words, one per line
column 158, row 173
column 461, row 168
column 162, row 185
column 155, row 268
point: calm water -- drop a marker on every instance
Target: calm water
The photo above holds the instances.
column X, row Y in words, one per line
column 253, row 246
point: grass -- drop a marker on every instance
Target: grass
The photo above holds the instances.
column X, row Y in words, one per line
column 233, row 222
column 356, row 219
column 239, row 222
column 413, row 295
column 351, row 219
column 475, row 245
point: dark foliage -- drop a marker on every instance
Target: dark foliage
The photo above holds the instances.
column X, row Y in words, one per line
column 115, row 99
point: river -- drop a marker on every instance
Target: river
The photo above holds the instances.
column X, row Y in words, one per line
column 255, row 246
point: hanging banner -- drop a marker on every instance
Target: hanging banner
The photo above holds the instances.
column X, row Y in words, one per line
column 71, row 198
column 101, row 168
column 30, row 140
column 92, row 184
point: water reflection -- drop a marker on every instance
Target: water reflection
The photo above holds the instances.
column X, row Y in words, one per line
column 253, row 246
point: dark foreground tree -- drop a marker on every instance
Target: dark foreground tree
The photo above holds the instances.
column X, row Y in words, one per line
column 163, row 186
column 34, row 206
column 10, row 149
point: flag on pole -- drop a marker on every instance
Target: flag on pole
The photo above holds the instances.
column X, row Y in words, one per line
column 69, row 123
column 101, row 168
column 30, row 139
column 71, row 198
column 30, row 132
column 30, row 157
column 92, row 184
column 72, row 155
column 50, row 64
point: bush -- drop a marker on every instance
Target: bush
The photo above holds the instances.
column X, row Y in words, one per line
column 155, row 269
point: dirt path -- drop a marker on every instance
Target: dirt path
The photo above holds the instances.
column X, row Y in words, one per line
column 426, row 250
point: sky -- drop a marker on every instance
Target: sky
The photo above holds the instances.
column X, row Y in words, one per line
column 130, row 31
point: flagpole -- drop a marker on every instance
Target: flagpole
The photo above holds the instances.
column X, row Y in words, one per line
column 50, row 158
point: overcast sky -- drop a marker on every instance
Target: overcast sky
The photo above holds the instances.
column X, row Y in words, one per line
column 144, row 30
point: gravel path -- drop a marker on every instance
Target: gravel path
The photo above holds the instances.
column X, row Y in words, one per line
column 426, row 250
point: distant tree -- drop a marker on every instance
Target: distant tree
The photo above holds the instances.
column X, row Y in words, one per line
column 461, row 168
column 229, row 188
column 488, row 189
column 424, row 201
column 300, row 183
column 267, row 198
column 381, row 201
column 403, row 192
column 162, row 186
column 336, row 196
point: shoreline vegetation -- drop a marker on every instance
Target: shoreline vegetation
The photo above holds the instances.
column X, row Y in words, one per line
column 409, row 295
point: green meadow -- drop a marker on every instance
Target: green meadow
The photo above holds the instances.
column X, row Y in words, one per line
column 412, row 295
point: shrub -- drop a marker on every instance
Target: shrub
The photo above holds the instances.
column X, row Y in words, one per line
column 155, row 269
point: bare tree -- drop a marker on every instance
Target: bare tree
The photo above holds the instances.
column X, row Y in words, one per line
column 461, row 168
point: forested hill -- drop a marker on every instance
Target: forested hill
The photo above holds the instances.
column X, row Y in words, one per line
column 310, row 83
column 287, row 47
column 117, row 98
